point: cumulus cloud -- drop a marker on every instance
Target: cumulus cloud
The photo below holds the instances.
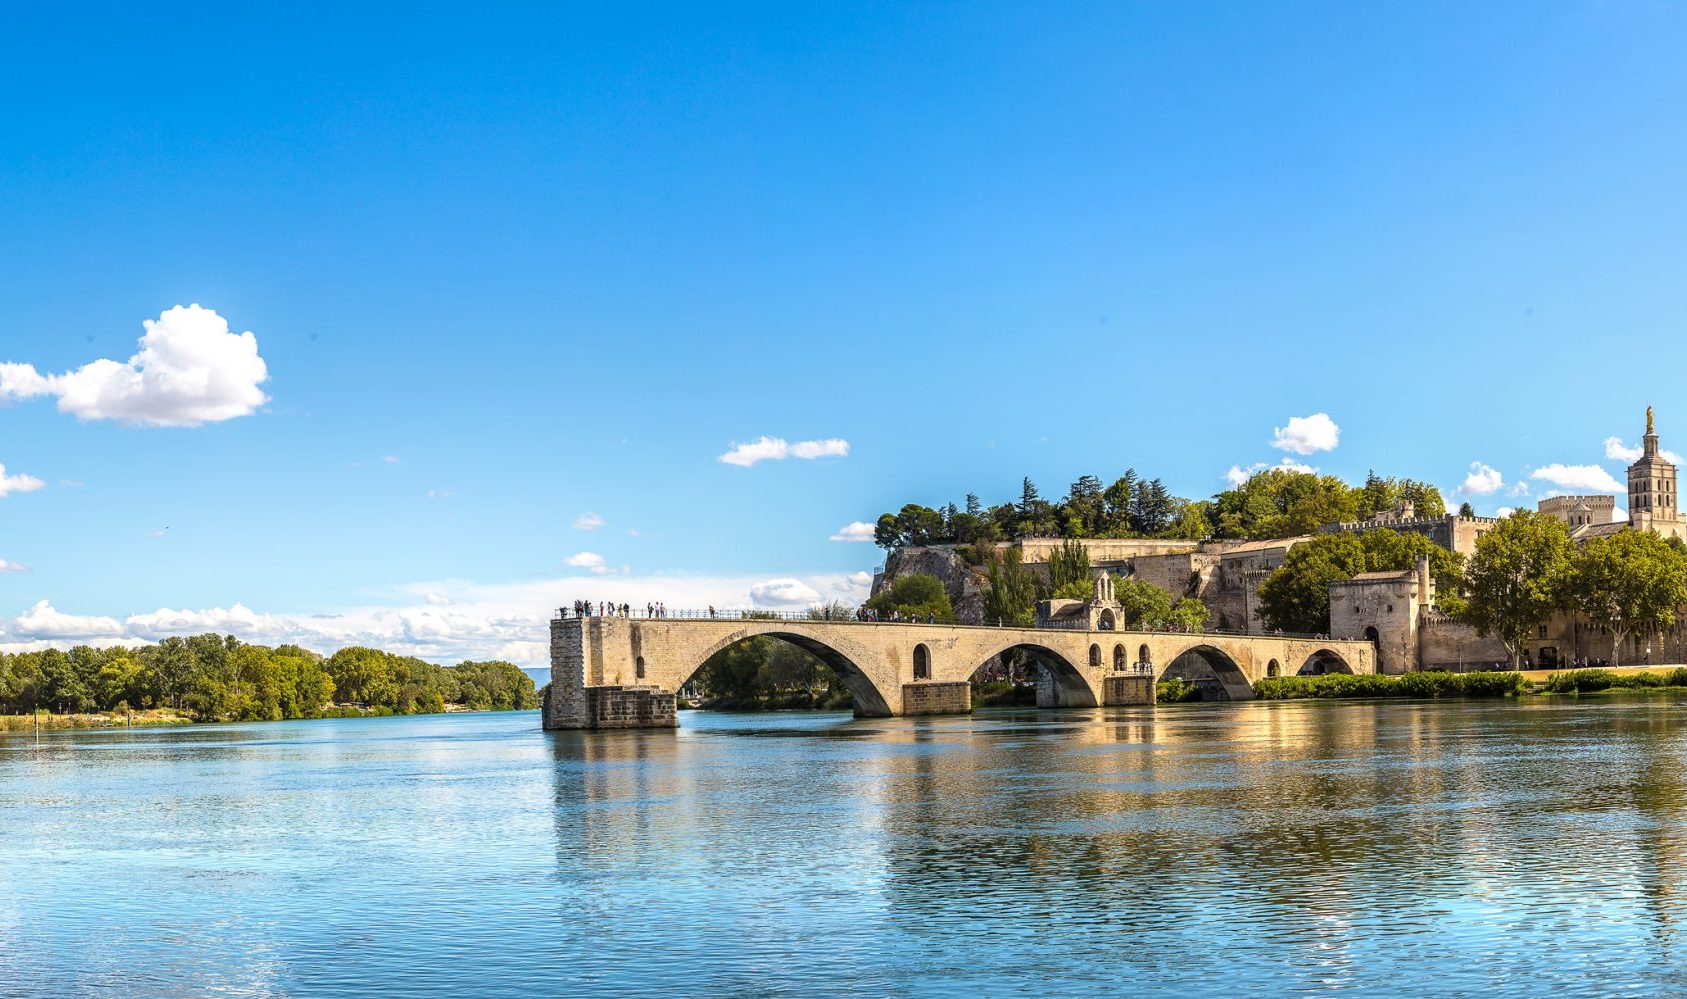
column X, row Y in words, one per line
column 441, row 621
column 1585, row 477
column 43, row 621
column 1307, row 434
column 6, row 566
column 1482, row 481
column 190, row 369
column 1239, row 476
column 18, row 483
column 1505, row 511
column 588, row 522
column 778, row 449
column 1615, row 448
column 855, row 530
column 589, row 560
column 785, row 592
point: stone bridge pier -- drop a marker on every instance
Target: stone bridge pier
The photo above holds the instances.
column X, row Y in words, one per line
column 610, row 672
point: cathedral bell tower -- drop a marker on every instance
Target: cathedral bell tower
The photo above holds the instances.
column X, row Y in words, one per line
column 1651, row 489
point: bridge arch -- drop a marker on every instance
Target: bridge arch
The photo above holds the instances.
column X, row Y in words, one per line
column 1213, row 670
column 870, row 701
column 1060, row 684
column 1324, row 661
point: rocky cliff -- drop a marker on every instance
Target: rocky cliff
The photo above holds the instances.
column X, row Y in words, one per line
column 964, row 583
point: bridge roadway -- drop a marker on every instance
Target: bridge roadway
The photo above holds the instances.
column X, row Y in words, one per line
column 614, row 672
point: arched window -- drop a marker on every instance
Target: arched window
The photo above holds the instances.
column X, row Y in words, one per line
column 1273, row 669
column 1119, row 658
column 638, row 668
column 1144, row 657
column 1095, row 657
column 922, row 663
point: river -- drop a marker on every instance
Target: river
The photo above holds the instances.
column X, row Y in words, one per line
column 1517, row 847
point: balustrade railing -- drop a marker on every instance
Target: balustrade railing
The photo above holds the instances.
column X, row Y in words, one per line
column 811, row 617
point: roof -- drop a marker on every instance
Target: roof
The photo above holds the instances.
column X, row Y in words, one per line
column 1374, row 577
column 1599, row 530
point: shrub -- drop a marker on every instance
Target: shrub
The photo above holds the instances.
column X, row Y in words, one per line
column 1577, row 681
column 1425, row 684
column 1176, row 691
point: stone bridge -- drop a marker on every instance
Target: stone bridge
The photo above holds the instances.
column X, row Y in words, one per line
column 611, row 672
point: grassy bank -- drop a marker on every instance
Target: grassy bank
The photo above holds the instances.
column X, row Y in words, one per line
column 1343, row 685
column 50, row 722
column 1587, row 681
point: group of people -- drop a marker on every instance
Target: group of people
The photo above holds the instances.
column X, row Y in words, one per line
column 896, row 617
column 585, row 608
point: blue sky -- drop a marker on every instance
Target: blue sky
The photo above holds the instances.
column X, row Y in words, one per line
column 558, row 261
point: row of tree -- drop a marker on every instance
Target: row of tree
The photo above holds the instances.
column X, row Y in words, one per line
column 1524, row 570
column 220, row 678
column 1275, row 503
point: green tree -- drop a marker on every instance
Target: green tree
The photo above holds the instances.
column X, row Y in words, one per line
column 1296, row 597
column 1280, row 503
column 1116, row 500
column 917, row 595
column 1144, row 606
column 1152, row 508
column 1517, row 577
column 1629, row 580
column 1069, row 565
column 1011, row 594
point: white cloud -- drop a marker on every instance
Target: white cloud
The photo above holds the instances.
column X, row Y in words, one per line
column 855, row 530
column 589, row 560
column 6, row 566
column 477, row 621
column 1505, row 511
column 42, row 621
column 190, row 369
column 1239, row 476
column 784, row 592
column 778, row 449
column 1616, row 449
column 854, row 583
column 391, row 459
column 588, row 522
column 1590, row 477
column 1518, row 488
column 1307, row 434
column 18, row 483
column 1482, row 481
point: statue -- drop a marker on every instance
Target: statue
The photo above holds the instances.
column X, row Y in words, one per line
column 1649, row 420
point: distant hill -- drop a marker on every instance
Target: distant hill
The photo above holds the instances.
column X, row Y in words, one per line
column 541, row 676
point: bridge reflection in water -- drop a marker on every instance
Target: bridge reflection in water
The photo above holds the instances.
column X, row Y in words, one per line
column 625, row 672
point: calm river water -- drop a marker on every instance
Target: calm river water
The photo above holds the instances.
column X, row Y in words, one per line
column 1524, row 848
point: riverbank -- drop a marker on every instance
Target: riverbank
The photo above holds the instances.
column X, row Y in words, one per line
column 48, row 722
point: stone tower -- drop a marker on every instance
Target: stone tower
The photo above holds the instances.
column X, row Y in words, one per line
column 1651, row 490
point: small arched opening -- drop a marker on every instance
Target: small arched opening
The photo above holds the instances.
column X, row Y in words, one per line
column 1273, row 668
column 1144, row 656
column 1095, row 657
column 1105, row 621
column 1374, row 638
column 638, row 668
column 1209, row 668
column 1118, row 658
column 922, row 662
column 1324, row 661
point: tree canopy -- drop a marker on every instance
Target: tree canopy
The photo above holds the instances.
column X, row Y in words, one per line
column 1629, row 580
column 917, row 594
column 1274, row 503
column 1517, row 577
column 1296, row 597
column 220, row 678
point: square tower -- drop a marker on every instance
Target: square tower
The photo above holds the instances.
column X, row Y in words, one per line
column 1652, row 504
